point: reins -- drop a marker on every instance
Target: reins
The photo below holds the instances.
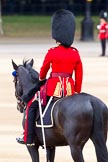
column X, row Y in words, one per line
column 21, row 106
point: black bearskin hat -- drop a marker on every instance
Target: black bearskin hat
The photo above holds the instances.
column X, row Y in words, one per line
column 103, row 15
column 63, row 27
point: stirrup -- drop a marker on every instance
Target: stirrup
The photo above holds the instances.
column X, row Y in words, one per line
column 20, row 140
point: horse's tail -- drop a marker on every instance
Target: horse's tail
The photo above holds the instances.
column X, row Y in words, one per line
column 100, row 128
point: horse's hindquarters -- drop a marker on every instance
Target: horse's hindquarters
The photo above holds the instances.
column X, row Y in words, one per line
column 73, row 117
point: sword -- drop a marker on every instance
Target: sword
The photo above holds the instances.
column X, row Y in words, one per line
column 43, row 131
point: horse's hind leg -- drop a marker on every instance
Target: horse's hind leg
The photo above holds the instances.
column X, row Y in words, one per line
column 99, row 132
column 76, row 153
column 100, row 147
column 50, row 154
column 33, row 150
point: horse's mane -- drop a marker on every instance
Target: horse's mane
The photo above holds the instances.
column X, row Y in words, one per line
column 33, row 76
column 29, row 66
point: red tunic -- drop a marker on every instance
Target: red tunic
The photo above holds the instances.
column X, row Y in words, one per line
column 107, row 31
column 103, row 30
column 66, row 61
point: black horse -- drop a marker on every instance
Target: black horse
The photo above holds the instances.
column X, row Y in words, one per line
column 76, row 118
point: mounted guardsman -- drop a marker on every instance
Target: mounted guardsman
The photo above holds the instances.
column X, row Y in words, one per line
column 63, row 60
column 77, row 118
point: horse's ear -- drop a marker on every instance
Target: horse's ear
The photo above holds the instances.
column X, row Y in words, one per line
column 31, row 62
column 14, row 65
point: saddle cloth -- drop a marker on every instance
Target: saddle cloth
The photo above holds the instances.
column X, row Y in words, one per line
column 47, row 117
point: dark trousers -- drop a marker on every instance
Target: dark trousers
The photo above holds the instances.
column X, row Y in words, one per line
column 103, row 45
column 30, row 117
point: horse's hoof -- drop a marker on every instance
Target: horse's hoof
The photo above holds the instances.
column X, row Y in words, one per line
column 20, row 140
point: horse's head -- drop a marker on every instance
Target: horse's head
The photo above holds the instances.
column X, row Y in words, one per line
column 26, row 80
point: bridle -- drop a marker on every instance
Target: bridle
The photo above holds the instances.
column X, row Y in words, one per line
column 21, row 106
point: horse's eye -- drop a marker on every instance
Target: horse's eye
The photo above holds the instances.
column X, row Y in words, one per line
column 17, row 81
column 14, row 79
column 16, row 74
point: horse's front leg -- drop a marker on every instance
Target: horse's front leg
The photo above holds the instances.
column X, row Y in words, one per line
column 50, row 154
column 34, row 153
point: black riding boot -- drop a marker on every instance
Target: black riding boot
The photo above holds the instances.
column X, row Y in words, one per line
column 31, row 122
column 29, row 132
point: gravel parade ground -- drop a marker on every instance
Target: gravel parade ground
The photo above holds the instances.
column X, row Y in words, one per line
column 95, row 82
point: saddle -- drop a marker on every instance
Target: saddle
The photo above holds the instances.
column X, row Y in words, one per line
column 46, row 116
